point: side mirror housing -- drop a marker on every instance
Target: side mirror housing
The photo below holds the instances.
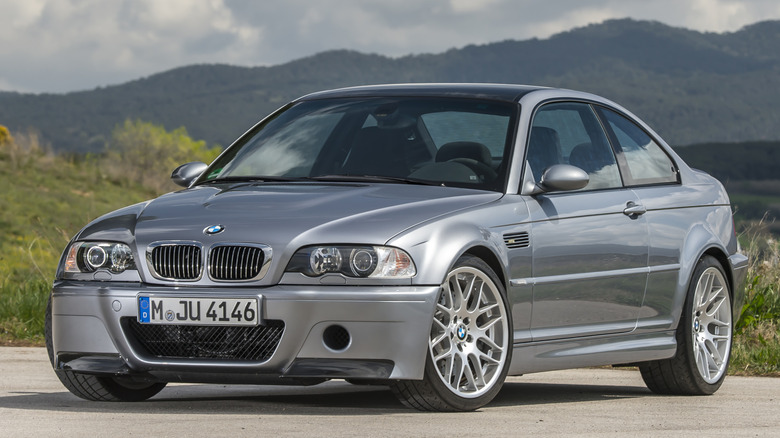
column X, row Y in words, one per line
column 185, row 174
column 560, row 178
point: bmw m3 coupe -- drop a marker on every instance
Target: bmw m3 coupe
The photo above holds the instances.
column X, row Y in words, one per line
column 433, row 238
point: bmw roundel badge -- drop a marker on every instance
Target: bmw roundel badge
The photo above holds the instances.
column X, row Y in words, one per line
column 214, row 229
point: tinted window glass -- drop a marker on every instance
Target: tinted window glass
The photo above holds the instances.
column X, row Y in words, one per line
column 458, row 142
column 450, row 126
column 569, row 133
column 293, row 148
column 647, row 162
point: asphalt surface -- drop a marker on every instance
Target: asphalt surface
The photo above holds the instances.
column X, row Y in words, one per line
column 585, row 402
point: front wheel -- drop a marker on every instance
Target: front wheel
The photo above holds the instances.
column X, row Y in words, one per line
column 704, row 338
column 98, row 388
column 469, row 346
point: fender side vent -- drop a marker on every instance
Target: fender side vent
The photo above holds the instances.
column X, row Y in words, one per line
column 517, row 240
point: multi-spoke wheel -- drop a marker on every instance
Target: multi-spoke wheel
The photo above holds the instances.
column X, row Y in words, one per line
column 469, row 345
column 703, row 338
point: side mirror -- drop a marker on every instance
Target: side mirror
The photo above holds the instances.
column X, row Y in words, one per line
column 185, row 174
column 561, row 177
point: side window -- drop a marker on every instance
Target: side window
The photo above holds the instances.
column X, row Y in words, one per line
column 569, row 133
column 646, row 161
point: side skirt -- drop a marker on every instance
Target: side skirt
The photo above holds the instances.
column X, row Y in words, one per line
column 534, row 357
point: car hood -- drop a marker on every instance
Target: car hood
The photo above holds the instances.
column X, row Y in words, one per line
column 289, row 216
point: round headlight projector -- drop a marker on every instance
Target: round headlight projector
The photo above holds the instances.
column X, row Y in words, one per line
column 96, row 257
column 363, row 262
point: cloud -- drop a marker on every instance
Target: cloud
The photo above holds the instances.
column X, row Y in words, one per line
column 65, row 45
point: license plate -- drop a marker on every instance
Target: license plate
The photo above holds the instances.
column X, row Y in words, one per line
column 198, row 311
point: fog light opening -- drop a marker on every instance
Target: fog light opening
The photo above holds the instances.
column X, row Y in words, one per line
column 336, row 338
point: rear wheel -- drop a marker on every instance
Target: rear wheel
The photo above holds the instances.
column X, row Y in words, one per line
column 469, row 346
column 704, row 338
column 98, row 388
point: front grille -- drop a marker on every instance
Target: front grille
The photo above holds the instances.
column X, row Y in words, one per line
column 252, row 344
column 176, row 261
column 235, row 263
column 517, row 240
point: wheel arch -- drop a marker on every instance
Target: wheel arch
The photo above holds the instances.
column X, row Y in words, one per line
column 723, row 259
column 488, row 256
column 699, row 242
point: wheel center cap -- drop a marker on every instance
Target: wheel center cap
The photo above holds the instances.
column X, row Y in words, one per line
column 696, row 325
column 461, row 332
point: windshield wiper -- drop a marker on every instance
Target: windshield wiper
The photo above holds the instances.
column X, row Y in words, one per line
column 371, row 178
column 323, row 178
column 234, row 179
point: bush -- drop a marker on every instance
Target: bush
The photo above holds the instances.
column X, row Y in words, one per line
column 146, row 153
column 5, row 136
column 757, row 332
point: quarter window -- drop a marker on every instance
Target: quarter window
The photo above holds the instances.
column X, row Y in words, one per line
column 646, row 161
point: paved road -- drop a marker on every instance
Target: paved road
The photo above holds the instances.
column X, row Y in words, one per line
column 592, row 402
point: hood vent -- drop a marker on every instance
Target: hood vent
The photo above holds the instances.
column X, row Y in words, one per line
column 517, row 240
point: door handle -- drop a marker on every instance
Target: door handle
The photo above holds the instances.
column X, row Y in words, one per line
column 633, row 209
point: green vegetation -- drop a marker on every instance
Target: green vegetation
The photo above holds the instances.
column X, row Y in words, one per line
column 48, row 198
column 145, row 153
column 757, row 334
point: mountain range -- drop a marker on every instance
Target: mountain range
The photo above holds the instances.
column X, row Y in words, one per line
column 691, row 87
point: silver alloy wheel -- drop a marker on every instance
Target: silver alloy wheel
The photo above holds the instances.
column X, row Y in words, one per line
column 711, row 325
column 469, row 339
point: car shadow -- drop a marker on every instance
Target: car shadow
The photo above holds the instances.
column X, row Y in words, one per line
column 331, row 398
column 522, row 393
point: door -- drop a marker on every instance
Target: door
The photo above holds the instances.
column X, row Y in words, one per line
column 590, row 246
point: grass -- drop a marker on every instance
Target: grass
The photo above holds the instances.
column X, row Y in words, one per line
column 47, row 199
column 22, row 308
column 756, row 347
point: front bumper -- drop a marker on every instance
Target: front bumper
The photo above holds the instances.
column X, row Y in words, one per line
column 388, row 330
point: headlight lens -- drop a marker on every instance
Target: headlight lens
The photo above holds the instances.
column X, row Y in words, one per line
column 91, row 256
column 353, row 261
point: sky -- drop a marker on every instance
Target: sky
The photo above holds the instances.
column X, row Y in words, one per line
column 58, row 46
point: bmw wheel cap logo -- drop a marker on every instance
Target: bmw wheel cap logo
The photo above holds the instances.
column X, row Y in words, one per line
column 214, row 229
column 461, row 332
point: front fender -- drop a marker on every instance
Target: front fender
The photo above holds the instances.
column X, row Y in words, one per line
column 436, row 246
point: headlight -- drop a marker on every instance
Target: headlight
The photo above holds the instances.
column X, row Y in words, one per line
column 353, row 261
column 91, row 256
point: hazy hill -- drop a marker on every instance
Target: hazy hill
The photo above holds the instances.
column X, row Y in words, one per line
column 691, row 87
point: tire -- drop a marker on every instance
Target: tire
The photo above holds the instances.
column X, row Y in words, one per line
column 469, row 346
column 98, row 388
column 704, row 338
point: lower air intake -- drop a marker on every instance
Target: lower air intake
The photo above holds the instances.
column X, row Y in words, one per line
column 252, row 344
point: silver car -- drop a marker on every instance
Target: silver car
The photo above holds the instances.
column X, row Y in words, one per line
column 432, row 238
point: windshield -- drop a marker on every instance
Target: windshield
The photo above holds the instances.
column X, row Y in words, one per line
column 451, row 142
